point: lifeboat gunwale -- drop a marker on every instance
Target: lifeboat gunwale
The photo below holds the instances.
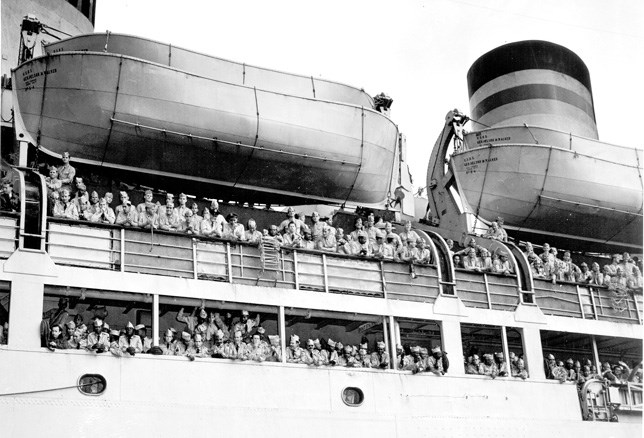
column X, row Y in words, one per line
column 329, row 81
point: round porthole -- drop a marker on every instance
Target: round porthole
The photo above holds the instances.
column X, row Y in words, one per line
column 352, row 396
column 92, row 384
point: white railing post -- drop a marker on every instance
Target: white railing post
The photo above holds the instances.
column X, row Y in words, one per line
column 282, row 325
column 506, row 348
column 326, row 279
column 581, row 305
column 296, row 271
column 122, row 249
column 229, row 262
column 194, row 259
column 487, row 292
column 155, row 319
column 382, row 279
column 392, row 342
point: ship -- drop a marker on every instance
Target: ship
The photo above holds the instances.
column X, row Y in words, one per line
column 128, row 274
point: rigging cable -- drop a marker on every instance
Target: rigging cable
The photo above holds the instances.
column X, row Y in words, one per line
column 478, row 207
column 35, row 391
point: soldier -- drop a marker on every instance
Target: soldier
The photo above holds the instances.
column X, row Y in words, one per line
column 64, row 208
column 380, row 357
column 311, row 356
column 437, row 363
column 129, row 342
column 364, row 248
column 147, row 197
column 218, row 220
column 149, row 219
column 494, row 232
column 294, row 353
column 364, row 360
column 168, row 218
column 328, row 242
column 197, row 348
column 583, row 275
column 501, row 364
column 371, row 229
column 191, row 320
column 316, row 226
column 168, row 345
column 330, row 355
column 300, row 226
column 81, row 199
column 182, row 212
column 194, row 223
column 52, row 182
column 70, row 328
column 66, row 173
column 104, row 215
column 218, row 347
column 94, row 206
column 291, row 237
column 389, row 229
column 307, row 241
column 245, row 325
column 550, row 365
column 347, row 359
column 182, row 345
column 56, row 340
column 472, row 366
column 408, row 233
column 256, row 350
column 424, row 254
column 518, row 369
column 78, row 340
column 274, row 351
column 357, row 228
column 233, row 230
column 145, row 341
column 503, row 266
column 251, row 235
column 98, row 340
column 236, row 349
column 488, row 367
column 471, row 262
column 126, row 215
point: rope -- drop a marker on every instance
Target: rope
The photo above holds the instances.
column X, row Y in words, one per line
column 545, row 177
column 362, row 116
column 531, row 134
column 480, row 123
column 44, row 26
column 116, row 97
column 35, row 391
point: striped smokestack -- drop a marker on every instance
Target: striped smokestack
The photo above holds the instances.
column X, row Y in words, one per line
column 534, row 82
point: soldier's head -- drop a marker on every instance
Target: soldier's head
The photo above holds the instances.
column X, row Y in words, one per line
column 295, row 341
column 53, row 173
column 168, row 336
column 198, row 340
column 290, row 212
column 315, row 217
column 244, row 315
column 256, row 339
column 457, row 260
column 98, row 325
column 64, row 195
column 272, row 230
column 310, row 345
column 358, row 223
column 129, row 329
column 252, row 225
column 71, row 328
column 238, row 337
column 436, row 352
column 476, row 359
column 219, row 337
column 307, row 235
column 292, row 228
column 408, row 226
column 380, row 347
column 66, row 157
column 488, row 359
column 141, row 330
column 56, row 331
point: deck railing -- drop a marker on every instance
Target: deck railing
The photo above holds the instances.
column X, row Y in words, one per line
column 583, row 301
column 170, row 254
column 8, row 234
column 175, row 255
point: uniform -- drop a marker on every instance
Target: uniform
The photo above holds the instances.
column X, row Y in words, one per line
column 292, row 240
column 133, row 341
column 126, row 216
column 327, row 243
column 105, row 216
column 380, row 360
column 295, row 355
column 253, row 237
column 148, row 221
column 169, row 222
column 66, row 211
column 100, row 341
column 66, row 175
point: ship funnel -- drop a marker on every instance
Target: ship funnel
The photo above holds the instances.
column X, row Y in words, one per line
column 533, row 82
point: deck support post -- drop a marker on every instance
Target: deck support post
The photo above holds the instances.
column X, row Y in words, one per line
column 155, row 319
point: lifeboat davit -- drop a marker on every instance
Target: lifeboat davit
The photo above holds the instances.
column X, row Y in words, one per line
column 137, row 116
column 538, row 163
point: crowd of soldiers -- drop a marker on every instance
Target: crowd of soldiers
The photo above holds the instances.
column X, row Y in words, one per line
column 622, row 272
column 494, row 365
column 573, row 371
column 476, row 258
column 370, row 238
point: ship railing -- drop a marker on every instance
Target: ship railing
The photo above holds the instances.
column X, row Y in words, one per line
column 582, row 301
column 487, row 290
column 629, row 395
column 102, row 246
column 9, row 228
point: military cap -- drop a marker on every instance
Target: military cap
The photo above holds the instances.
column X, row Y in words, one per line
column 114, row 332
column 71, row 324
column 98, row 322
column 551, row 357
column 185, row 336
column 245, row 312
column 331, row 343
column 169, row 332
column 106, row 326
column 129, row 325
column 415, row 349
column 380, row 344
column 139, row 326
column 295, row 338
column 203, row 313
column 436, row 349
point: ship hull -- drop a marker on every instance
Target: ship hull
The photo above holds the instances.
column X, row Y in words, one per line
column 547, row 180
column 169, row 396
column 128, row 114
column 213, row 67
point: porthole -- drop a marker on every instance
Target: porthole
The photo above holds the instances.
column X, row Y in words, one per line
column 352, row 396
column 92, row 384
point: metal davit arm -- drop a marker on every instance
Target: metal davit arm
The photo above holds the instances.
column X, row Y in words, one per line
column 33, row 208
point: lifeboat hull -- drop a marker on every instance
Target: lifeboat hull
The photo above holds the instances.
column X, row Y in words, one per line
column 562, row 184
column 213, row 67
column 133, row 115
